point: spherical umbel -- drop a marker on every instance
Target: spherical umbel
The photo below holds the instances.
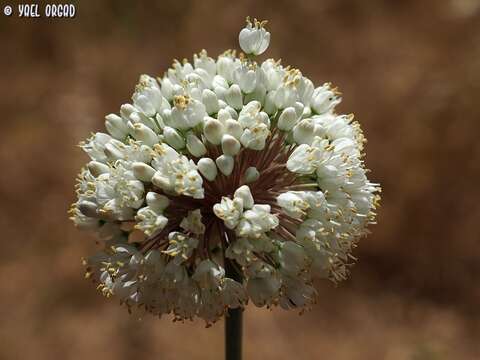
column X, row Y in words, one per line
column 224, row 160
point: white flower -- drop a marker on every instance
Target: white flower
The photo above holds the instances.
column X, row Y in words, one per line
column 263, row 283
column 244, row 193
column 324, row 99
column 175, row 173
column 233, row 96
column 187, row 112
column 149, row 221
column 287, row 94
column 193, row 222
column 224, row 162
column 234, row 294
column 256, row 221
column 229, row 211
column 241, row 251
column 304, row 159
column 95, row 146
column 226, row 65
column 248, row 76
column 208, row 274
column 254, row 39
column 293, row 258
column 296, row 293
column 148, row 97
column 293, row 203
column 118, row 192
column 180, row 246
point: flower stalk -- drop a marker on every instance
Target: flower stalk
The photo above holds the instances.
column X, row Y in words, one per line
column 233, row 321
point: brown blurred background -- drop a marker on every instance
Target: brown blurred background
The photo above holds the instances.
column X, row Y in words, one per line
column 409, row 70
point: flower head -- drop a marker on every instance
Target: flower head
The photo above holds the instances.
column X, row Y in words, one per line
column 218, row 161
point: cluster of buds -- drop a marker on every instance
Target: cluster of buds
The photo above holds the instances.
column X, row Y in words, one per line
column 227, row 160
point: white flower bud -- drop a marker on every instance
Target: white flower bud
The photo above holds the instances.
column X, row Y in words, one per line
column 233, row 113
column 307, row 112
column 203, row 61
column 225, row 164
column 116, row 126
column 243, row 192
column 233, row 127
column 207, row 168
column 160, row 121
column 251, row 174
column 213, row 130
column 219, row 81
column 287, row 119
column 166, row 116
column 222, row 103
column 230, row 145
column 195, row 146
column 167, row 88
column 115, row 150
column 303, row 132
column 269, row 106
column 88, row 208
column 220, row 92
column 210, row 100
column 143, row 171
column 97, row 168
column 234, row 97
column 162, row 181
column 254, row 39
column 126, row 110
column 143, row 133
column 226, row 66
column 223, row 115
column 299, row 108
column 157, row 202
column 173, row 138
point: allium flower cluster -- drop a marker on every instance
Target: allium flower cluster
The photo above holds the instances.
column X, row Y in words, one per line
column 224, row 161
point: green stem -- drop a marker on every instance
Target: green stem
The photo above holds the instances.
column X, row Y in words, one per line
column 233, row 321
